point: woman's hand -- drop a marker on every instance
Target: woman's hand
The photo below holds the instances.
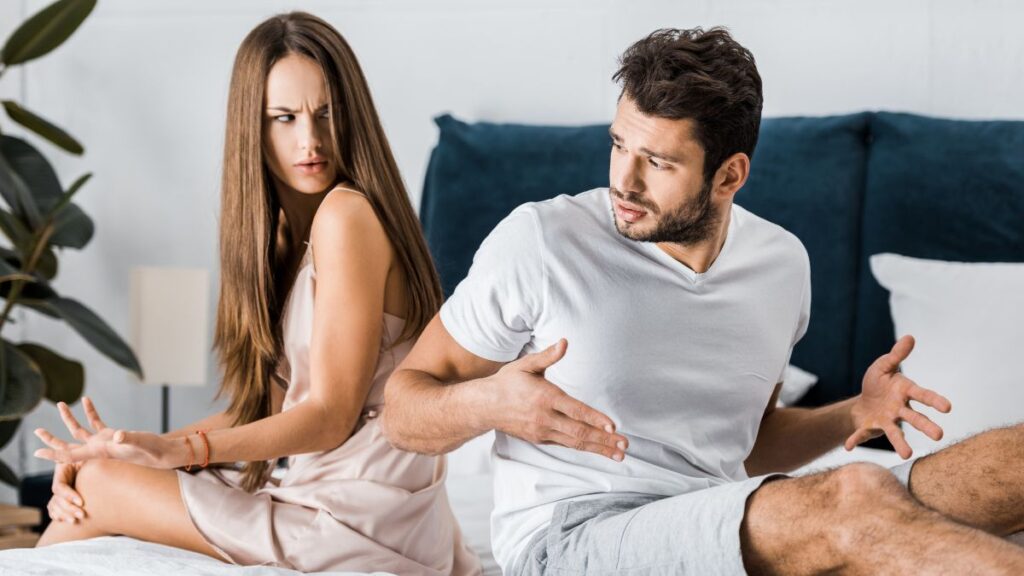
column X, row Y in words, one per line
column 65, row 505
column 142, row 448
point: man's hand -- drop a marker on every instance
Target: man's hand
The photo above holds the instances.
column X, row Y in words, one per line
column 539, row 412
column 885, row 401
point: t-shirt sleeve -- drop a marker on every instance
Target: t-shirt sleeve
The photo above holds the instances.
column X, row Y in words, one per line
column 803, row 320
column 494, row 309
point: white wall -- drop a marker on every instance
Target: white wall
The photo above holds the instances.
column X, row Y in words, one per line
column 143, row 86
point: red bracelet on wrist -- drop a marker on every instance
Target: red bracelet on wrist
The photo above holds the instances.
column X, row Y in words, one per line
column 191, row 454
column 206, row 444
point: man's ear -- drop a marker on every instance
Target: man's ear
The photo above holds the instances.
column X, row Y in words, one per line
column 731, row 175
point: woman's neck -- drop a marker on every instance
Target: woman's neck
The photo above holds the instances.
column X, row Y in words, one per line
column 299, row 209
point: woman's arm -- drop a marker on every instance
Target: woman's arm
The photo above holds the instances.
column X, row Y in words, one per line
column 222, row 420
column 352, row 256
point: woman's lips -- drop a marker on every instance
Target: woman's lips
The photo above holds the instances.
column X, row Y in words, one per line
column 311, row 168
column 628, row 214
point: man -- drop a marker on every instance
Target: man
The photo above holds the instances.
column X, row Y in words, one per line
column 672, row 313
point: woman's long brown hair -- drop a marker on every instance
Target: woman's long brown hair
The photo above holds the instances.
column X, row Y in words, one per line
column 247, row 337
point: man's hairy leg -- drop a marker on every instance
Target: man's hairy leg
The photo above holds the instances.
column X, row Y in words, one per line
column 978, row 482
column 859, row 519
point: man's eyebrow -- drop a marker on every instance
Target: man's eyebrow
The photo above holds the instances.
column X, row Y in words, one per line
column 647, row 151
column 661, row 155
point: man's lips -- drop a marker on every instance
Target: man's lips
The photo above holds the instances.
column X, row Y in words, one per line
column 628, row 212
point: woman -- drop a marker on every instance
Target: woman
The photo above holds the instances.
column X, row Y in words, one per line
column 325, row 282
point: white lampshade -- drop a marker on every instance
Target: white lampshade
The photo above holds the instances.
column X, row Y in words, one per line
column 170, row 315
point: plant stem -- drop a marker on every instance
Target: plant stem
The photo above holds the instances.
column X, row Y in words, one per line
column 41, row 239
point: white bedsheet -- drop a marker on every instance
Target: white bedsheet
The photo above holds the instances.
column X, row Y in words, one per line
column 470, row 496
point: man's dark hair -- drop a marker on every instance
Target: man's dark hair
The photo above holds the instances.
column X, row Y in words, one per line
column 702, row 75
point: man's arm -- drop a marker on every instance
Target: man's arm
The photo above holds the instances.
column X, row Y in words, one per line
column 791, row 437
column 443, row 395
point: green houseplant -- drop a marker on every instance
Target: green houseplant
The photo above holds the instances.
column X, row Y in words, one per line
column 37, row 219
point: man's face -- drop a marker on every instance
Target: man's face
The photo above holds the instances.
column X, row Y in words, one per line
column 656, row 178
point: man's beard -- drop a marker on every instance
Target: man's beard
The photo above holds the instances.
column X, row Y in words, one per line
column 691, row 223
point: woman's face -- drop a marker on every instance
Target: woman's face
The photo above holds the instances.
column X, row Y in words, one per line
column 298, row 146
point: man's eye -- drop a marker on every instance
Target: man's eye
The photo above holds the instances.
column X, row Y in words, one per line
column 285, row 118
column 654, row 164
column 617, row 146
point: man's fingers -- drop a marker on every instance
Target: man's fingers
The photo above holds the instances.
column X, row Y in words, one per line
column 579, row 411
column 556, row 437
column 900, row 351
column 857, row 438
column 93, row 416
column 77, row 431
column 538, row 362
column 921, row 422
column 585, row 433
column 929, row 398
column 898, row 441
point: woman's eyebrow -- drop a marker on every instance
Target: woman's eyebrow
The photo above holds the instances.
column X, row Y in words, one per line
column 290, row 111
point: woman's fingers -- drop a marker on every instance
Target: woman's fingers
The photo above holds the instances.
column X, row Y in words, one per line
column 92, row 415
column 77, row 431
column 68, row 508
column 51, row 440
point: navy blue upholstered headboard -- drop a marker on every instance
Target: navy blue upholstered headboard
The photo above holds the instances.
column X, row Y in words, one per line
column 847, row 186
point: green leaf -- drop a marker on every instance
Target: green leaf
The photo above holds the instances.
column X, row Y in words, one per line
column 12, row 227
column 42, row 127
column 7, row 476
column 95, row 331
column 24, row 386
column 46, row 30
column 65, row 199
column 15, row 190
column 8, row 429
column 47, row 265
column 65, row 378
column 72, row 228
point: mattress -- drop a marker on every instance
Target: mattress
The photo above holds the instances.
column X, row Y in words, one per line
column 469, row 492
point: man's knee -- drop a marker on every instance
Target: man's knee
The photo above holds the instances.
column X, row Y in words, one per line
column 863, row 484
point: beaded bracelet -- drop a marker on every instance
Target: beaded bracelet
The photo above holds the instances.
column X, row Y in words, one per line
column 191, row 454
column 206, row 444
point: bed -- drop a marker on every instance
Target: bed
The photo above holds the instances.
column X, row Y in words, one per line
column 469, row 489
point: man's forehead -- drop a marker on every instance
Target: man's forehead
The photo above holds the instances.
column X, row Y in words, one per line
column 630, row 122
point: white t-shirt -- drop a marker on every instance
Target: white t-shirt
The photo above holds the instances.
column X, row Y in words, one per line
column 683, row 363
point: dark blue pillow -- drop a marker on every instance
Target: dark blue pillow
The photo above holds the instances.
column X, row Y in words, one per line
column 941, row 189
column 479, row 172
column 807, row 175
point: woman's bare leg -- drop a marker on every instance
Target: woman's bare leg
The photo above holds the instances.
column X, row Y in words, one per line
column 130, row 500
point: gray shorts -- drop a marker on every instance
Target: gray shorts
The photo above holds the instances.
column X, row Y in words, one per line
column 691, row 534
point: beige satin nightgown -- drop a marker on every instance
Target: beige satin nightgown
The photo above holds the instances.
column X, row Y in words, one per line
column 364, row 506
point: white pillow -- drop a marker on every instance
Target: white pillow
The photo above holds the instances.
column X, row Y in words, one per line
column 795, row 384
column 968, row 320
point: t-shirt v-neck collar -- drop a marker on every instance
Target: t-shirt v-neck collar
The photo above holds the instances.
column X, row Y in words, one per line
column 695, row 278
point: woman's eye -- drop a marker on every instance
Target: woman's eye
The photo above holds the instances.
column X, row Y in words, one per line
column 284, row 118
column 325, row 115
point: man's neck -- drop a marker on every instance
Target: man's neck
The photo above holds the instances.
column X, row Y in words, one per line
column 700, row 256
